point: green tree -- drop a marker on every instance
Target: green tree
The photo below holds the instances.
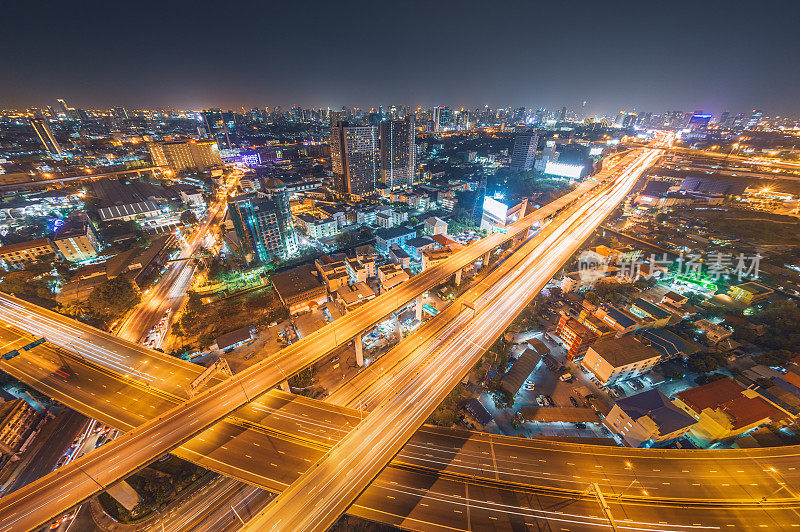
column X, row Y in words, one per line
column 188, row 217
column 113, row 298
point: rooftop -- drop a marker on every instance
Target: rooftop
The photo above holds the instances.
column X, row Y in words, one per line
column 418, row 242
column 650, row 308
column 753, row 288
column 24, row 245
column 394, row 232
column 729, row 396
column 657, row 407
column 296, row 281
column 232, row 338
column 522, row 368
column 355, row 293
column 623, row 351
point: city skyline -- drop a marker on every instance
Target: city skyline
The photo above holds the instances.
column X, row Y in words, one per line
column 636, row 58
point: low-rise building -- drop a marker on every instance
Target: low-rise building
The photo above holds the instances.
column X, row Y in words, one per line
column 576, row 337
column 77, row 240
column 713, row 332
column 432, row 257
column 333, row 271
column 131, row 211
column 318, row 228
column 384, row 220
column 360, row 268
column 749, row 293
column 18, row 420
column 17, row 255
column 656, row 316
column 415, row 247
column 384, row 238
column 725, row 409
column 435, row 226
column 140, row 265
column 349, row 297
column 647, row 419
column 619, row 359
column 300, row 289
column 390, row 275
column 399, row 255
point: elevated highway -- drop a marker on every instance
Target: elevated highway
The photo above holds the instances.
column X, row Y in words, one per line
column 480, row 478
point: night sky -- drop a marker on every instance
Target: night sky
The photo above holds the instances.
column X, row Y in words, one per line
column 646, row 56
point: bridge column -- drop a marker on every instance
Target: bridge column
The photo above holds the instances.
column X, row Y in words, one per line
column 458, row 277
column 285, row 387
column 418, row 304
column 486, row 257
column 359, row 350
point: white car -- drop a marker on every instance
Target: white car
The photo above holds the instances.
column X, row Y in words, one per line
column 528, row 386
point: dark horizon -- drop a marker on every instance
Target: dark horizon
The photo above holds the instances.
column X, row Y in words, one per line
column 633, row 56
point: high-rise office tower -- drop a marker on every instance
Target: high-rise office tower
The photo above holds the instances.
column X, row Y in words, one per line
column 121, row 112
column 755, row 118
column 723, row 119
column 355, row 159
column 45, row 135
column 63, row 107
column 562, row 115
column 524, row 153
column 263, row 223
column 397, row 153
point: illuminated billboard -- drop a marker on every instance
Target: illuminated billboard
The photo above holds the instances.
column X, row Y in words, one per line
column 570, row 171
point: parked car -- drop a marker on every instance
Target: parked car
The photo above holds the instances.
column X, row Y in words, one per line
column 574, row 401
column 549, row 400
column 580, row 425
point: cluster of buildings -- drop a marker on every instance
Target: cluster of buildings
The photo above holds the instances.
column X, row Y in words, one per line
column 710, row 413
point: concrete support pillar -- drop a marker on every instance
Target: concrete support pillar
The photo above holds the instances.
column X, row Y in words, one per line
column 486, row 258
column 458, row 277
column 418, row 304
column 359, row 350
column 285, row 387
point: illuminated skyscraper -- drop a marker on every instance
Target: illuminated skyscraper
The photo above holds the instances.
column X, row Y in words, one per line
column 397, row 152
column 63, row 107
column 524, row 153
column 45, row 135
column 755, row 118
column 355, row 159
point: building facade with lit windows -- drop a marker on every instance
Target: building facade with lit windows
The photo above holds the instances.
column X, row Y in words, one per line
column 263, row 223
column 524, row 153
column 355, row 160
column 17, row 255
column 77, row 240
column 576, row 337
column 185, row 154
column 398, row 151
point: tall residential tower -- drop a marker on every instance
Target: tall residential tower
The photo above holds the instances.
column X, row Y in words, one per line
column 398, row 150
column 355, row 159
column 524, row 153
